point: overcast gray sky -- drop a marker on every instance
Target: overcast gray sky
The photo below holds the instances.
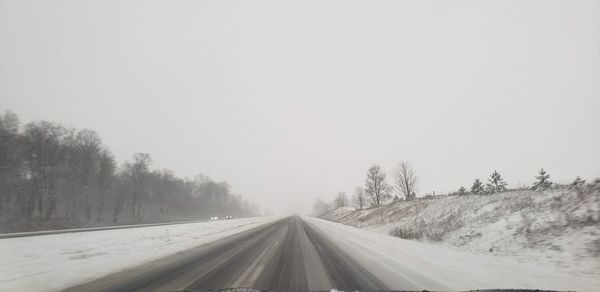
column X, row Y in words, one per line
column 290, row 101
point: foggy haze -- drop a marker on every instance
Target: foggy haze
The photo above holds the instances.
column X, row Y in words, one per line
column 289, row 102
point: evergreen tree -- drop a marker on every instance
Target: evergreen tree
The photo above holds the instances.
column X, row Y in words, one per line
column 543, row 182
column 462, row 191
column 496, row 183
column 477, row 188
column 577, row 183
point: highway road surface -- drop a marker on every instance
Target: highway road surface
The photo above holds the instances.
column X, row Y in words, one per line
column 286, row 255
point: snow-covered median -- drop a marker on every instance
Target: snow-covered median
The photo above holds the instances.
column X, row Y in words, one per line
column 434, row 267
column 52, row 262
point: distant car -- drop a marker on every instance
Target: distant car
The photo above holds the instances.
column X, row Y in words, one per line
column 214, row 218
column 229, row 217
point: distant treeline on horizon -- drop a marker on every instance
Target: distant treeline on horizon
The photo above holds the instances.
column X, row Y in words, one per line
column 54, row 177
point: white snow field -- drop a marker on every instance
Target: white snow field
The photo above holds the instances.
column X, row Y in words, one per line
column 53, row 262
column 437, row 267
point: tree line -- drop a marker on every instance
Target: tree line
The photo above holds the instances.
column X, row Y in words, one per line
column 496, row 184
column 376, row 191
column 52, row 176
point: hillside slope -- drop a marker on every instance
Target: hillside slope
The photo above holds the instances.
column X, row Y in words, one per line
column 558, row 228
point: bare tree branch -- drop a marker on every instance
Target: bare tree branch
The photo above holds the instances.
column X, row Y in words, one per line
column 405, row 181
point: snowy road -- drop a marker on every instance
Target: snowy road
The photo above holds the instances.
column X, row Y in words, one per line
column 275, row 253
column 286, row 255
column 304, row 253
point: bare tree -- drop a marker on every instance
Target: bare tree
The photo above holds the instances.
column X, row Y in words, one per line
column 375, row 186
column 45, row 155
column 138, row 171
column 405, row 181
column 341, row 200
column 11, row 161
column 107, row 167
column 359, row 200
column 85, row 160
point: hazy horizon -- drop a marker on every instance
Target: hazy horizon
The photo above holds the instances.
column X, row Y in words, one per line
column 295, row 102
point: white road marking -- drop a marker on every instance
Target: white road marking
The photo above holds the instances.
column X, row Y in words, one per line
column 257, row 273
column 242, row 278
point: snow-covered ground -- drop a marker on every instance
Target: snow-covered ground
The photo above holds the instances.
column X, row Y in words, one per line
column 52, row 262
column 557, row 230
column 437, row 267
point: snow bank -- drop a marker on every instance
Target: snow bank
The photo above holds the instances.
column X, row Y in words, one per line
column 557, row 228
column 52, row 262
column 397, row 261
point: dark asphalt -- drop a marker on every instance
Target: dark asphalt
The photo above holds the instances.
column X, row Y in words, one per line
column 285, row 255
